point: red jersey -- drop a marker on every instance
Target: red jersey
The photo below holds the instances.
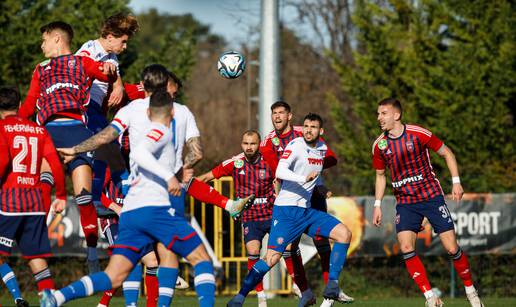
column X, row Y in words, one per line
column 408, row 160
column 110, row 192
column 250, row 178
column 23, row 145
column 60, row 86
column 273, row 145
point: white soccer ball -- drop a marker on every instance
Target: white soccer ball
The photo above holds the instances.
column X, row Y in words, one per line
column 231, row 64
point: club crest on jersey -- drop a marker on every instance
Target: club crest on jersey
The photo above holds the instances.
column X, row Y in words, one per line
column 71, row 63
column 239, row 163
column 410, row 146
column 382, row 144
column 261, row 174
column 275, row 141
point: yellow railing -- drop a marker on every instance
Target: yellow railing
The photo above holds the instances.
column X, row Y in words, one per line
column 225, row 237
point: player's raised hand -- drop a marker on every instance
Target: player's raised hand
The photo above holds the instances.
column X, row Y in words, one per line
column 108, row 68
column 58, row 205
column 377, row 216
column 457, row 192
column 67, row 154
column 312, row 176
column 116, row 96
column 174, row 187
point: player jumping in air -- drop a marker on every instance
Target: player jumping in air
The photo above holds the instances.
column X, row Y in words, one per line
column 23, row 146
column 403, row 149
column 60, row 91
column 299, row 169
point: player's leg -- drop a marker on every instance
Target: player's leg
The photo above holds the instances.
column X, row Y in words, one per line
column 288, row 224
column 131, row 285
column 295, row 267
column 8, row 229
column 109, row 227
column 151, row 278
column 408, row 223
column 322, row 245
column 46, row 183
column 167, row 275
column 440, row 218
column 39, row 268
column 325, row 225
column 254, row 232
column 11, row 283
column 205, row 193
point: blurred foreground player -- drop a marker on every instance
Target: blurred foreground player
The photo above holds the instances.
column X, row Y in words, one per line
column 23, row 146
column 404, row 149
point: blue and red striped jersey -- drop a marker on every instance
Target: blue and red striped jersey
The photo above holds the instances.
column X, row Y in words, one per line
column 23, row 145
column 408, row 160
column 60, row 86
column 250, row 178
column 110, row 193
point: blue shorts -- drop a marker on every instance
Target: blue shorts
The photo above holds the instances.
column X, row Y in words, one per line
column 109, row 227
column 318, row 202
column 149, row 225
column 256, row 230
column 410, row 216
column 67, row 134
column 289, row 222
column 96, row 118
column 30, row 233
column 178, row 203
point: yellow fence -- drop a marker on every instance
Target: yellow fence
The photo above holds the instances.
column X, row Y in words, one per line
column 225, row 237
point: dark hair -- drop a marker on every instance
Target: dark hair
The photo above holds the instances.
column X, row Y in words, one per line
column 279, row 104
column 58, row 25
column 176, row 80
column 252, row 132
column 395, row 103
column 160, row 101
column 119, row 25
column 314, row 117
column 9, row 98
column 154, row 77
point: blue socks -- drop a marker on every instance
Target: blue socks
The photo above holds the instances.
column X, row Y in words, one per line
column 167, row 281
column 85, row 286
column 337, row 259
column 204, row 283
column 131, row 286
column 254, row 276
column 10, row 281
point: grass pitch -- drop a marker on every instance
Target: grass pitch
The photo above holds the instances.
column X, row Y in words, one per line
column 281, row 302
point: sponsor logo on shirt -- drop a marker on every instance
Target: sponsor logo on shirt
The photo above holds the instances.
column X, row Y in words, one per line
column 60, row 85
column 6, row 242
column 404, row 181
column 315, row 161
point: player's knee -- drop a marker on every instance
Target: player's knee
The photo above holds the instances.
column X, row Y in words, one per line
column 198, row 255
column 272, row 257
column 150, row 260
column 341, row 234
column 406, row 247
column 84, row 198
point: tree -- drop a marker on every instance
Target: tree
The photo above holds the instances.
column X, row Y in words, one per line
column 452, row 65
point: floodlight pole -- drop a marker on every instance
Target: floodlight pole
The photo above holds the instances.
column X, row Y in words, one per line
column 270, row 81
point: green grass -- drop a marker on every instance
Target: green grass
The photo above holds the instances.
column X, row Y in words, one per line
column 284, row 302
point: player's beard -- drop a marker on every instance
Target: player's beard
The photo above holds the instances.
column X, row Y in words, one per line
column 311, row 142
column 251, row 157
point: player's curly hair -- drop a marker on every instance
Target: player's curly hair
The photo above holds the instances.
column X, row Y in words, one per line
column 119, row 25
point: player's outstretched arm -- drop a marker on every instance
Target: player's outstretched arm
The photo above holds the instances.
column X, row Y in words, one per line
column 379, row 191
column 206, row 177
column 105, row 136
column 117, row 94
column 453, row 167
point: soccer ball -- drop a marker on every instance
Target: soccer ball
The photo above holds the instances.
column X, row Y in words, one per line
column 231, row 64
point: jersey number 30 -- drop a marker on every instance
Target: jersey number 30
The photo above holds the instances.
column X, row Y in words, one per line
column 18, row 161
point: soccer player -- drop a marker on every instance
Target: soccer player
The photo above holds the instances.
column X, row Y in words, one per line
column 404, row 149
column 115, row 32
column 147, row 203
column 272, row 148
column 59, row 88
column 23, row 146
column 299, row 169
column 130, row 118
column 251, row 175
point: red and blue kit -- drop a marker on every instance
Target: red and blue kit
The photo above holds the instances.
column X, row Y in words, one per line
column 408, row 160
column 23, row 145
column 250, row 178
column 60, row 86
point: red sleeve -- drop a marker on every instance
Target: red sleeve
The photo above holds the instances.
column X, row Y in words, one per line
column 50, row 154
column 426, row 137
column 269, row 155
column 434, row 143
column 4, row 156
column 106, row 201
column 330, row 159
column 134, row 91
column 223, row 169
column 93, row 70
column 28, row 106
column 378, row 162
